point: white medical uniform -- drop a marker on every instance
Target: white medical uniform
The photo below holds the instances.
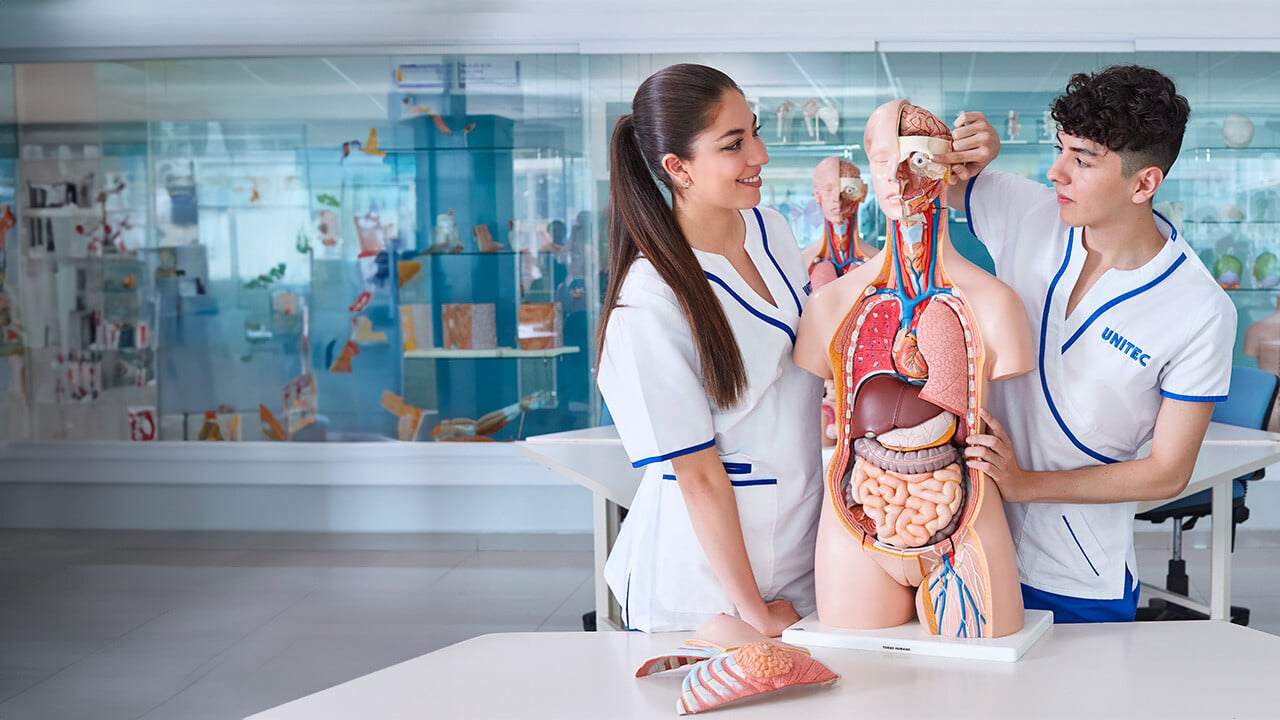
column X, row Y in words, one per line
column 1161, row 330
column 769, row 442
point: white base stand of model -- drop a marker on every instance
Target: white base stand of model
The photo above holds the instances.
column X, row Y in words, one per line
column 911, row 638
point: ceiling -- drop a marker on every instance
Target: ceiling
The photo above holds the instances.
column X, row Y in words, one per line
column 563, row 89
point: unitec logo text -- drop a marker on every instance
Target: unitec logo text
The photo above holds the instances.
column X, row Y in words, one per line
column 1125, row 346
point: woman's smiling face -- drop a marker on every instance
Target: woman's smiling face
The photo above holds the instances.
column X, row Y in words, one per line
column 727, row 157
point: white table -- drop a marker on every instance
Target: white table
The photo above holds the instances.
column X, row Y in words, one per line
column 594, row 458
column 1127, row 670
column 1228, row 452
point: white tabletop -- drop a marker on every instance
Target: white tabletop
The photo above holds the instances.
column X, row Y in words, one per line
column 1133, row 670
column 593, row 458
column 1228, row 451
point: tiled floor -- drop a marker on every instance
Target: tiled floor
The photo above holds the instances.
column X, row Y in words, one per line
column 110, row 625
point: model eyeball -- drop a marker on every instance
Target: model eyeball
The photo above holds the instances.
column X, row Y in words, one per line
column 922, row 164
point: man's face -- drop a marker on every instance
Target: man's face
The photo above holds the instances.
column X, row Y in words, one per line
column 1088, row 180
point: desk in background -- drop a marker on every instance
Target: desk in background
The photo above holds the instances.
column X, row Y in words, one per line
column 594, row 458
column 1162, row 671
column 1228, row 451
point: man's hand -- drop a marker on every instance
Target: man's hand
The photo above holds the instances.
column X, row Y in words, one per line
column 974, row 144
column 993, row 454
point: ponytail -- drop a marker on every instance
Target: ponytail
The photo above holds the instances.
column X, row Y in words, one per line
column 642, row 223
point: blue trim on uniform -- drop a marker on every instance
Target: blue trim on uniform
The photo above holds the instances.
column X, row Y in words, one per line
column 737, row 468
column 1194, row 398
column 1067, row 609
column 737, row 483
column 674, row 454
column 968, row 208
column 764, row 240
column 1121, row 298
column 776, row 323
column 1044, row 381
column 1173, row 231
column 1082, row 552
column 626, row 606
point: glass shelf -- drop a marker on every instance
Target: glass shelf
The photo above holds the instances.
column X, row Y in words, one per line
column 491, row 353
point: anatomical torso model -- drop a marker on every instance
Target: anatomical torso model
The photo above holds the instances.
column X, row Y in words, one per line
column 910, row 341
column 1262, row 342
column 839, row 190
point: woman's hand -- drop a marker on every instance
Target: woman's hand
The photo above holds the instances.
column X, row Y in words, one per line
column 778, row 616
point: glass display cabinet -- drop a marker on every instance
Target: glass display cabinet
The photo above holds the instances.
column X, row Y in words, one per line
column 361, row 248
column 418, row 274
column 13, row 406
column 81, row 292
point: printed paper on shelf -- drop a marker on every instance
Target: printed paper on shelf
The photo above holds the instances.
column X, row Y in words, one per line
column 416, row 326
column 142, row 423
column 538, row 326
column 468, row 326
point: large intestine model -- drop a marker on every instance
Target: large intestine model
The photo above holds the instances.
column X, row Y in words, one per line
column 911, row 342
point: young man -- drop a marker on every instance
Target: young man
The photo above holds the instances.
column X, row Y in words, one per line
column 1133, row 335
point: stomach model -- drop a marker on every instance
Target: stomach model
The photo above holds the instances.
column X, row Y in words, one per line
column 908, row 389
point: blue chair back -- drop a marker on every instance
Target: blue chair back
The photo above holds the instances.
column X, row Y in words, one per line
column 1249, row 400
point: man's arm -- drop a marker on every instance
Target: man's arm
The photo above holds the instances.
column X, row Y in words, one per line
column 974, row 144
column 1180, row 428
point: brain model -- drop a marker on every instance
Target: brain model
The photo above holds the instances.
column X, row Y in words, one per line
column 1266, row 270
column 1228, row 270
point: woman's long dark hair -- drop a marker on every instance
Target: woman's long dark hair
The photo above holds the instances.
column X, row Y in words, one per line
column 670, row 109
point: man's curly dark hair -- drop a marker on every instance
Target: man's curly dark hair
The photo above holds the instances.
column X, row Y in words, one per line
column 1134, row 111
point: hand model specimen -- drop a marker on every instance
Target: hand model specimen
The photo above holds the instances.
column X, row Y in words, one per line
column 468, row 430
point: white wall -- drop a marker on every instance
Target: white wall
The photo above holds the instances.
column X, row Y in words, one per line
column 61, row 29
column 338, row 487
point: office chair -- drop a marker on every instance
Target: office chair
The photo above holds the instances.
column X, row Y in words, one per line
column 1248, row 404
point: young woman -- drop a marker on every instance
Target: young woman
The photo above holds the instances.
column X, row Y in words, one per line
column 696, row 339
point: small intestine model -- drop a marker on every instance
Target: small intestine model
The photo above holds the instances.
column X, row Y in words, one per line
column 910, row 342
